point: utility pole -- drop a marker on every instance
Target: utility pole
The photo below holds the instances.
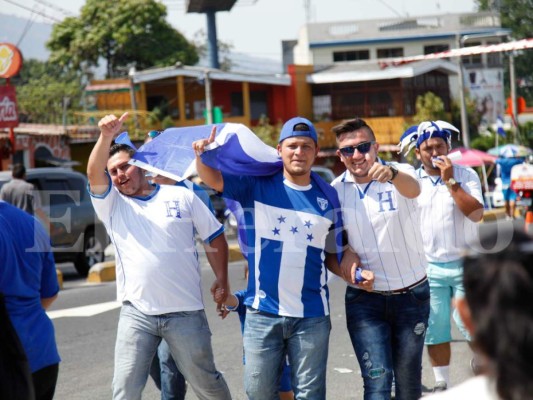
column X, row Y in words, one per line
column 464, row 117
column 208, row 99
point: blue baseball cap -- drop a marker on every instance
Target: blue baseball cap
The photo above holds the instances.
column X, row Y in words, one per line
column 288, row 129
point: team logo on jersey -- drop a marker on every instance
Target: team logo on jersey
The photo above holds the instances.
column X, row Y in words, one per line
column 322, row 203
column 173, row 209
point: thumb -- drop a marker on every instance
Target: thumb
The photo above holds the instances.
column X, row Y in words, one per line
column 123, row 117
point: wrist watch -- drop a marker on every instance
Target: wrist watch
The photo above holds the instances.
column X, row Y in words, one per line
column 450, row 182
column 394, row 171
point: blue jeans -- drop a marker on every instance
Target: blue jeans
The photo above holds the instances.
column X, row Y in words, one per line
column 387, row 334
column 189, row 340
column 166, row 375
column 269, row 338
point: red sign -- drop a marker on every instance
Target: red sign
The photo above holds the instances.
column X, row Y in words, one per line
column 9, row 117
column 10, row 60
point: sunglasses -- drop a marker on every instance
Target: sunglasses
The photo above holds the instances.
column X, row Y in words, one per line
column 362, row 148
column 154, row 134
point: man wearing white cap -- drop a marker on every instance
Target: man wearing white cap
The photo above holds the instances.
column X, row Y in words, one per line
column 451, row 203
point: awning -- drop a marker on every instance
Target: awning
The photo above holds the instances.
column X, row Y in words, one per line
column 364, row 71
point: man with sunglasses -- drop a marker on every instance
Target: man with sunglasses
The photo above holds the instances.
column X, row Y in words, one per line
column 450, row 204
column 379, row 210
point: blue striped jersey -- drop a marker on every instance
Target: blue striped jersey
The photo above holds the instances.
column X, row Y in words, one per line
column 286, row 228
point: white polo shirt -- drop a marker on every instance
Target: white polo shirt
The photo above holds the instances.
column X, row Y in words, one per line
column 445, row 229
column 384, row 229
column 154, row 237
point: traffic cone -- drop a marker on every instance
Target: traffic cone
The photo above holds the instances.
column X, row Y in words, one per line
column 529, row 221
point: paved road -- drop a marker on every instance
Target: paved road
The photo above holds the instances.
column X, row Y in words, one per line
column 86, row 344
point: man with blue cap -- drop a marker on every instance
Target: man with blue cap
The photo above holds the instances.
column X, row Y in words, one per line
column 451, row 203
column 291, row 219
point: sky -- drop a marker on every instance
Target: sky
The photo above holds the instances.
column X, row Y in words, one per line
column 257, row 27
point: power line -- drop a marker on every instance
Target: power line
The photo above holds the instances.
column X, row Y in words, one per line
column 29, row 23
column 32, row 11
column 66, row 13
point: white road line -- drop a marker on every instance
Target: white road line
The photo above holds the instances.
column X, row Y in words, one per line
column 84, row 311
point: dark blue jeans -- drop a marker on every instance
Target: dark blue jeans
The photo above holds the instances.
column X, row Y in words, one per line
column 387, row 334
column 166, row 375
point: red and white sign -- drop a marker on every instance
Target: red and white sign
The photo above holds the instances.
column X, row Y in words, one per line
column 10, row 60
column 9, row 117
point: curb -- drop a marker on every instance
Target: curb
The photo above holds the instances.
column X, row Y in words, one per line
column 59, row 278
column 494, row 214
column 234, row 252
column 102, row 272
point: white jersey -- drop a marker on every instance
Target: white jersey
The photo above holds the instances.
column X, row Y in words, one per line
column 156, row 259
column 383, row 229
column 445, row 229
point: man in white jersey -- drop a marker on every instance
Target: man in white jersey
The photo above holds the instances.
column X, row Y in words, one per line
column 379, row 210
column 158, row 274
column 451, row 203
column 290, row 218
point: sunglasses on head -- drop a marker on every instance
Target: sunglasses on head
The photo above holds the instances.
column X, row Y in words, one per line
column 362, row 148
column 154, row 134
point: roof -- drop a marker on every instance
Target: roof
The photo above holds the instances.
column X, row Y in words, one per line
column 202, row 6
column 403, row 29
column 155, row 74
column 363, row 71
column 108, row 87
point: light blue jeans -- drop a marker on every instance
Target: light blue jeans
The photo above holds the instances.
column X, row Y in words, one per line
column 189, row 339
column 269, row 338
column 387, row 334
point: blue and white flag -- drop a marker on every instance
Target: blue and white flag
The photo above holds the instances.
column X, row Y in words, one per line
column 499, row 125
column 236, row 150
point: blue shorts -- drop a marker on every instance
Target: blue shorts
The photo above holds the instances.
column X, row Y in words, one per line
column 445, row 283
column 509, row 194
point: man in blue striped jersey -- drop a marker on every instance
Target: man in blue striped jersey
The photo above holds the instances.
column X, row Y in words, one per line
column 380, row 213
column 291, row 218
column 451, row 203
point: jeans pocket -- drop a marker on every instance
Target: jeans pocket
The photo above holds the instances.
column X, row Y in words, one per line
column 353, row 295
column 421, row 293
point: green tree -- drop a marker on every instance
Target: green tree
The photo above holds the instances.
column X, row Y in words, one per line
column 429, row 107
column 124, row 33
column 42, row 89
column 516, row 15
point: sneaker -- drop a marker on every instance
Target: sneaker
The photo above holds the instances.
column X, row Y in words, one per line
column 440, row 386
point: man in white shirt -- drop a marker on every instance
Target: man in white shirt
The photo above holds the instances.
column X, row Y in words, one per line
column 158, row 274
column 451, row 203
column 379, row 210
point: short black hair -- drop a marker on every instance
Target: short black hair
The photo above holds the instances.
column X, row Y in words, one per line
column 19, row 171
column 117, row 147
column 353, row 125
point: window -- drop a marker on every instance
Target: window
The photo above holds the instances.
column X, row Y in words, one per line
column 436, row 48
column 388, row 53
column 494, row 59
column 473, row 60
column 353, row 55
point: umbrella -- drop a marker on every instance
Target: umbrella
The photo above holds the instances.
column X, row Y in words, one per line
column 511, row 150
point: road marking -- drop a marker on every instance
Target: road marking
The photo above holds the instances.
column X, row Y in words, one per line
column 84, row 311
column 343, row 370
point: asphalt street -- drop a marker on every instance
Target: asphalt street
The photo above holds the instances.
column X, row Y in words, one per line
column 86, row 342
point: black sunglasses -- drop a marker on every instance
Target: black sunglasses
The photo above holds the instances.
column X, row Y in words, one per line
column 362, row 148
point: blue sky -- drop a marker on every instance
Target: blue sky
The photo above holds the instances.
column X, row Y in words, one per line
column 256, row 27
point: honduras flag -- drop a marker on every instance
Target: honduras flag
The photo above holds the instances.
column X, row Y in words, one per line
column 499, row 126
column 235, row 151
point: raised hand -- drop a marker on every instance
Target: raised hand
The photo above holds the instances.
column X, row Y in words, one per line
column 110, row 125
column 380, row 172
column 199, row 145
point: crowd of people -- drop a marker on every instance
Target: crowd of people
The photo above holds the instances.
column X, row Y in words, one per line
column 394, row 234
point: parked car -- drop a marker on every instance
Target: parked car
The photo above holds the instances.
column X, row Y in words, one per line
column 80, row 237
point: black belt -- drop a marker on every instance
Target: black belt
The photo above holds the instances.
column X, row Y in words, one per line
column 402, row 290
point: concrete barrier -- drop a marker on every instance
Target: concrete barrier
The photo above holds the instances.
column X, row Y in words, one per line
column 494, row 214
column 102, row 272
column 235, row 253
column 59, row 278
